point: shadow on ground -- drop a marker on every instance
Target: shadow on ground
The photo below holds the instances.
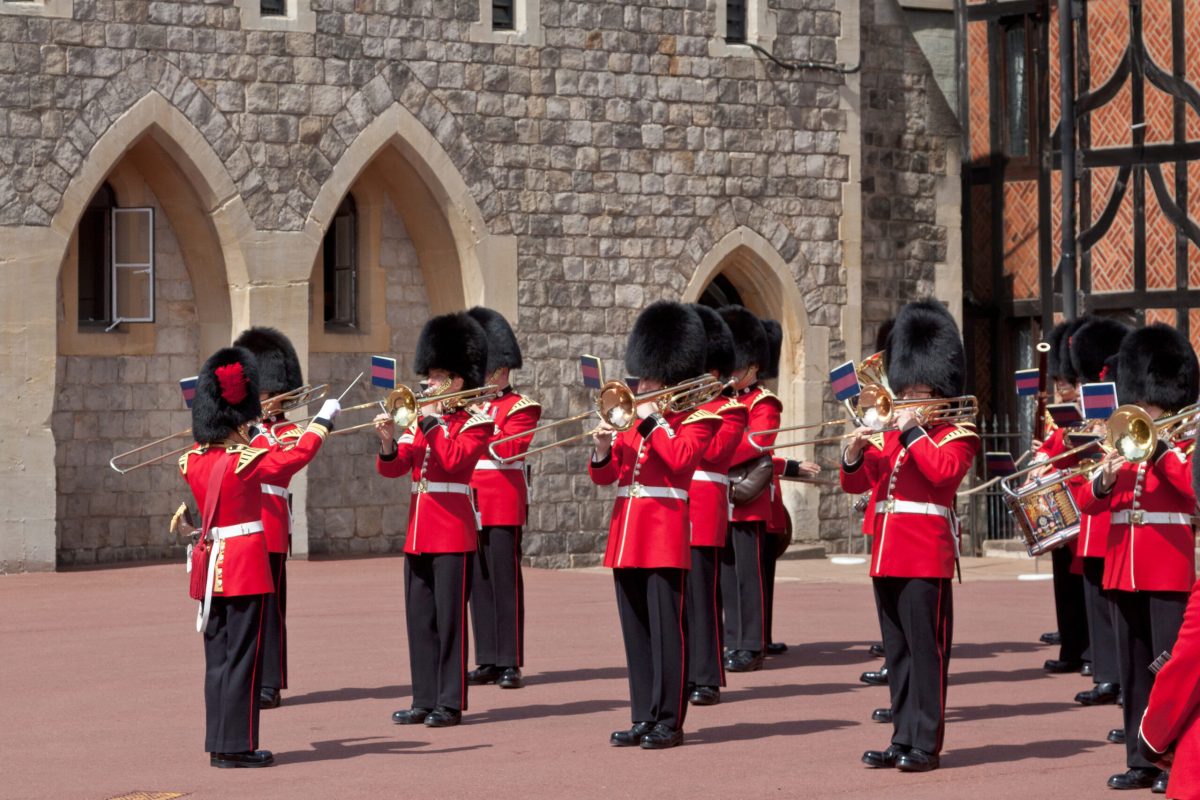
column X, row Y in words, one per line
column 339, row 749
column 1007, row 753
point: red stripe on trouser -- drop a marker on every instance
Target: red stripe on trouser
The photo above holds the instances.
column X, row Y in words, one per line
column 462, row 632
column 762, row 601
column 262, row 606
column 716, row 594
column 682, row 649
column 942, row 656
column 517, row 597
column 279, row 613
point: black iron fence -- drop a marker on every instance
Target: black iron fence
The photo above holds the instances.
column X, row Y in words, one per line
column 984, row 515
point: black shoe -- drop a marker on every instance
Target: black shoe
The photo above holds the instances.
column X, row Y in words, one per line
column 1160, row 783
column 443, row 717
column 511, row 679
column 877, row 759
column 1053, row 637
column 631, row 737
column 917, row 761
column 705, row 696
column 879, row 678
column 1134, row 778
column 410, row 716
column 876, row 650
column 1101, row 694
column 268, row 697
column 1057, row 667
column 881, row 715
column 662, row 737
column 484, row 674
column 1086, row 670
column 745, row 661
column 776, row 648
column 1116, row 736
column 249, row 759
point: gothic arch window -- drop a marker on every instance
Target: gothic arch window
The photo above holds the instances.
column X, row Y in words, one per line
column 95, row 259
column 341, row 268
column 721, row 292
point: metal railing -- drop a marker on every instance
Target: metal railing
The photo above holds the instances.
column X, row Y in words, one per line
column 985, row 516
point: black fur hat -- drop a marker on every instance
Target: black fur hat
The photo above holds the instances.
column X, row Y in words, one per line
column 667, row 343
column 774, row 333
column 1111, row 373
column 456, row 343
column 1056, row 368
column 881, row 336
column 1091, row 345
column 1061, row 351
column 503, row 350
column 278, row 367
column 925, row 347
column 749, row 338
column 226, row 395
column 718, row 338
column 1158, row 367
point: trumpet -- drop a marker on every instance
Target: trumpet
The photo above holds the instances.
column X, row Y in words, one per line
column 616, row 405
column 877, row 410
column 280, row 403
column 404, row 406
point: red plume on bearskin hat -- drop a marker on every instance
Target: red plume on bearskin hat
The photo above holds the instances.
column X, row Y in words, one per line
column 456, row 343
column 774, row 332
column 1092, row 343
column 278, row 366
column 719, row 341
column 667, row 343
column 1158, row 367
column 503, row 350
column 226, row 395
column 926, row 348
column 749, row 338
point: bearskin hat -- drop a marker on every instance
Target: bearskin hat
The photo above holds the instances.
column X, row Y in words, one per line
column 667, row 343
column 1158, row 367
column 456, row 343
column 774, row 333
column 1111, row 373
column 925, row 347
column 881, row 337
column 278, row 366
column 503, row 350
column 1091, row 345
column 749, row 338
column 719, row 341
column 226, row 395
column 1062, row 366
column 1056, row 368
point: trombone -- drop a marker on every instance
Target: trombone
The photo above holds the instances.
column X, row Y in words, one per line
column 280, row 403
column 616, row 405
column 404, row 406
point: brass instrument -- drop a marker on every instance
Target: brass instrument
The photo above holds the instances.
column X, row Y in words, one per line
column 280, row 403
column 404, row 406
column 616, row 405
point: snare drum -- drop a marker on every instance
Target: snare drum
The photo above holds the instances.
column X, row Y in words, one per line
column 1045, row 513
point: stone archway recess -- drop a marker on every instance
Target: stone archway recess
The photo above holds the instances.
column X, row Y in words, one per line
column 769, row 289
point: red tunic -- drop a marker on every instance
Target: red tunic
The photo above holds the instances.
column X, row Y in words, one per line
column 765, row 412
column 914, row 541
column 1153, row 554
column 708, row 497
column 277, row 434
column 500, row 489
column 1172, row 717
column 441, row 518
column 649, row 526
column 242, row 564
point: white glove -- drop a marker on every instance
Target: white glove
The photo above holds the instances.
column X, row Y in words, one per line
column 330, row 410
column 646, row 409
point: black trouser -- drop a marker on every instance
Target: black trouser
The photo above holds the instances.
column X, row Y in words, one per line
column 878, row 605
column 1068, row 607
column 436, row 591
column 654, row 626
column 768, row 585
column 1101, row 633
column 1147, row 624
column 705, row 665
column 233, row 660
column 498, row 598
column 742, row 590
column 918, row 625
column 274, row 673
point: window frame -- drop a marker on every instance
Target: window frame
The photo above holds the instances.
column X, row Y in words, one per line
column 760, row 29
column 115, row 318
column 300, row 17
column 526, row 30
column 330, row 298
column 39, row 8
column 1023, row 165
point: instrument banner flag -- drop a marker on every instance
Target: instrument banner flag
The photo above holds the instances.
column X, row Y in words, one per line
column 844, row 379
column 593, row 374
column 1027, row 382
column 188, row 387
column 1079, row 439
column 383, row 372
column 1099, row 400
column 1000, row 464
column 1065, row 415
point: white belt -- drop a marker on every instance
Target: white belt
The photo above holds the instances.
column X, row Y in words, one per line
column 711, row 477
column 217, row 534
column 424, row 487
column 910, row 507
column 278, row 491
column 487, row 463
column 1128, row 517
column 637, row 490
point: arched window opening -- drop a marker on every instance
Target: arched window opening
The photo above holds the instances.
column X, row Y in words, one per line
column 341, row 269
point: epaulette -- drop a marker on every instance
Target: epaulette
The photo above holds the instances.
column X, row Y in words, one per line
column 765, row 394
column 246, row 455
column 477, row 419
column 183, row 459
column 959, row 432
column 291, row 433
column 700, row 414
column 524, row 402
column 732, row 405
column 876, row 441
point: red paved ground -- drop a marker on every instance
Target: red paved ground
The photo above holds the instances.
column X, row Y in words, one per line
column 100, row 695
